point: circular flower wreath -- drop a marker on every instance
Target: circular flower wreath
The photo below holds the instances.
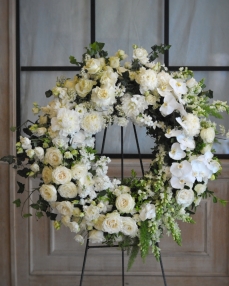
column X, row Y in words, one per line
column 74, row 183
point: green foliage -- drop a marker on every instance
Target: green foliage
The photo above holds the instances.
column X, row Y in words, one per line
column 73, row 61
column 26, row 215
column 21, row 187
column 133, row 254
column 48, row 93
column 17, row 203
column 211, row 111
column 24, row 172
column 13, row 128
column 156, row 50
column 145, row 239
column 8, row 159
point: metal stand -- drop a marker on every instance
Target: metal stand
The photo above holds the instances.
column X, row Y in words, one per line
column 122, row 175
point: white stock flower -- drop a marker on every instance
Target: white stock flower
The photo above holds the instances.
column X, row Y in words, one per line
column 147, row 212
column 53, row 157
column 79, row 171
column 91, row 212
column 125, row 203
column 84, row 86
column 47, row 174
column 92, row 122
column 48, row 193
column 96, row 236
column 112, row 223
column 129, row 226
column 208, row 135
column 65, row 208
column 61, row 175
column 176, row 152
column 185, row 197
column 68, row 190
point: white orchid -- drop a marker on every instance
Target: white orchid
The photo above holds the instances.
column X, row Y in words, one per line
column 176, row 152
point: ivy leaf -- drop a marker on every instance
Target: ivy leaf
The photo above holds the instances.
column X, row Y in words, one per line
column 52, row 216
column 21, row 187
column 35, row 206
column 13, row 128
column 48, row 93
column 23, row 173
column 27, row 131
column 74, row 61
column 9, row 159
column 215, row 200
column 39, row 214
column 26, row 215
column 17, row 203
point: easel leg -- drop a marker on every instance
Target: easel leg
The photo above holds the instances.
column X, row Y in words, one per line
column 84, row 262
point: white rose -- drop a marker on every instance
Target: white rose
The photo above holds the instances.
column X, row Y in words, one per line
column 68, row 190
column 125, row 203
column 129, row 226
column 65, row 220
column 91, row 212
column 79, row 238
column 40, row 131
column 185, row 197
column 84, row 86
column 53, row 157
column 208, row 134
column 48, row 193
column 25, row 143
column 43, row 119
column 98, row 223
column 30, row 153
column 35, row 167
column 200, row 188
column 65, row 208
column 79, row 171
column 114, row 62
column 39, row 152
column 92, row 122
column 93, row 66
column 109, row 78
column 112, row 223
column 124, row 189
column 103, row 96
column 74, row 227
column 47, row 175
column 61, row 175
column 141, row 55
column 96, row 236
column 147, row 212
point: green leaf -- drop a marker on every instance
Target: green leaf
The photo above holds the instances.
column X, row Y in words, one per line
column 13, row 128
column 223, row 202
column 23, row 173
column 21, row 187
column 52, row 216
column 133, row 255
column 39, row 214
column 35, row 206
column 48, row 93
column 26, row 215
column 9, row 159
column 74, row 61
column 17, row 203
column 215, row 200
column 101, row 194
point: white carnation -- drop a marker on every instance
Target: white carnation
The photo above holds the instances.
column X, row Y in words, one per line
column 147, row 79
column 92, row 122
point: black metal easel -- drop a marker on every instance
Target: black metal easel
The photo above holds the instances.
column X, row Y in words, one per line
column 122, row 176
